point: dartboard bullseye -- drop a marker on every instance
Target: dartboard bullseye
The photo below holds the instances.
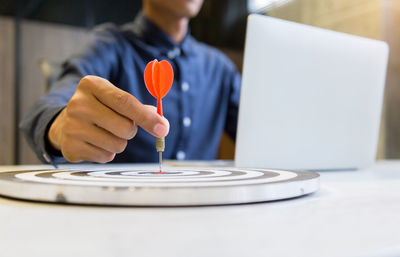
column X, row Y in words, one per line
column 176, row 186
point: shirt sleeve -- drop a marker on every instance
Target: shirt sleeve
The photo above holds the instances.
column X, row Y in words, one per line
column 97, row 57
column 233, row 79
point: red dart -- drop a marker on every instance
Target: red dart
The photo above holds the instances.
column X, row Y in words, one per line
column 158, row 77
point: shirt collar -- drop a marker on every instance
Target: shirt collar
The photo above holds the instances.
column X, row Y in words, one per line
column 162, row 43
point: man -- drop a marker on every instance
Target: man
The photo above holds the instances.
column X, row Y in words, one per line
column 94, row 109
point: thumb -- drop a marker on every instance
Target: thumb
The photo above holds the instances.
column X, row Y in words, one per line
column 161, row 127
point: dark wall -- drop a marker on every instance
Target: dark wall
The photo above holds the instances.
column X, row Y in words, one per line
column 81, row 13
column 220, row 22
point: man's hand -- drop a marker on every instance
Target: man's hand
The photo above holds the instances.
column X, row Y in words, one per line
column 99, row 120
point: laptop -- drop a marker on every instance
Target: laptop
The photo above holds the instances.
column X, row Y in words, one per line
column 311, row 99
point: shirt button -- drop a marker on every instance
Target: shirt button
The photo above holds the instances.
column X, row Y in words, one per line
column 187, row 121
column 174, row 53
column 180, row 155
column 185, row 86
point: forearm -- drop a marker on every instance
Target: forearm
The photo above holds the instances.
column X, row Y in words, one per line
column 38, row 119
column 35, row 126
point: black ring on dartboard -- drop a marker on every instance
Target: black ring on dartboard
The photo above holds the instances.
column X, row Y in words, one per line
column 83, row 173
column 233, row 174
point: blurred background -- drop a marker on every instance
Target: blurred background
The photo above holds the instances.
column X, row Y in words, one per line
column 37, row 35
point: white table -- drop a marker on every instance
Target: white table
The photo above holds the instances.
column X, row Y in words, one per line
column 355, row 213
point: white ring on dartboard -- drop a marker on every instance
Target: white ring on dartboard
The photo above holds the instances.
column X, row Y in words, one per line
column 67, row 179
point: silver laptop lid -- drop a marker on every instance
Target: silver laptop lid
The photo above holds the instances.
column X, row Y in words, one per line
column 310, row 98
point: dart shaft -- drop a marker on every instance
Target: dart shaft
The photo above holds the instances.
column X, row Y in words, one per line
column 160, row 146
column 160, row 160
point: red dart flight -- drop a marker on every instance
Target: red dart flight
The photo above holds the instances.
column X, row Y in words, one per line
column 158, row 77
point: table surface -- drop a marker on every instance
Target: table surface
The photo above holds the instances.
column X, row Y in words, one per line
column 355, row 213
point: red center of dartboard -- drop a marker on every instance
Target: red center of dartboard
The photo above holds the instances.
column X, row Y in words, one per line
column 161, row 172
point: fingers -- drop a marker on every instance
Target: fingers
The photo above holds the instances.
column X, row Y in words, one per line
column 126, row 105
column 76, row 151
column 94, row 135
column 93, row 111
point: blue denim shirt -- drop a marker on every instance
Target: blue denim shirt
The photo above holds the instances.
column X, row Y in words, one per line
column 202, row 103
